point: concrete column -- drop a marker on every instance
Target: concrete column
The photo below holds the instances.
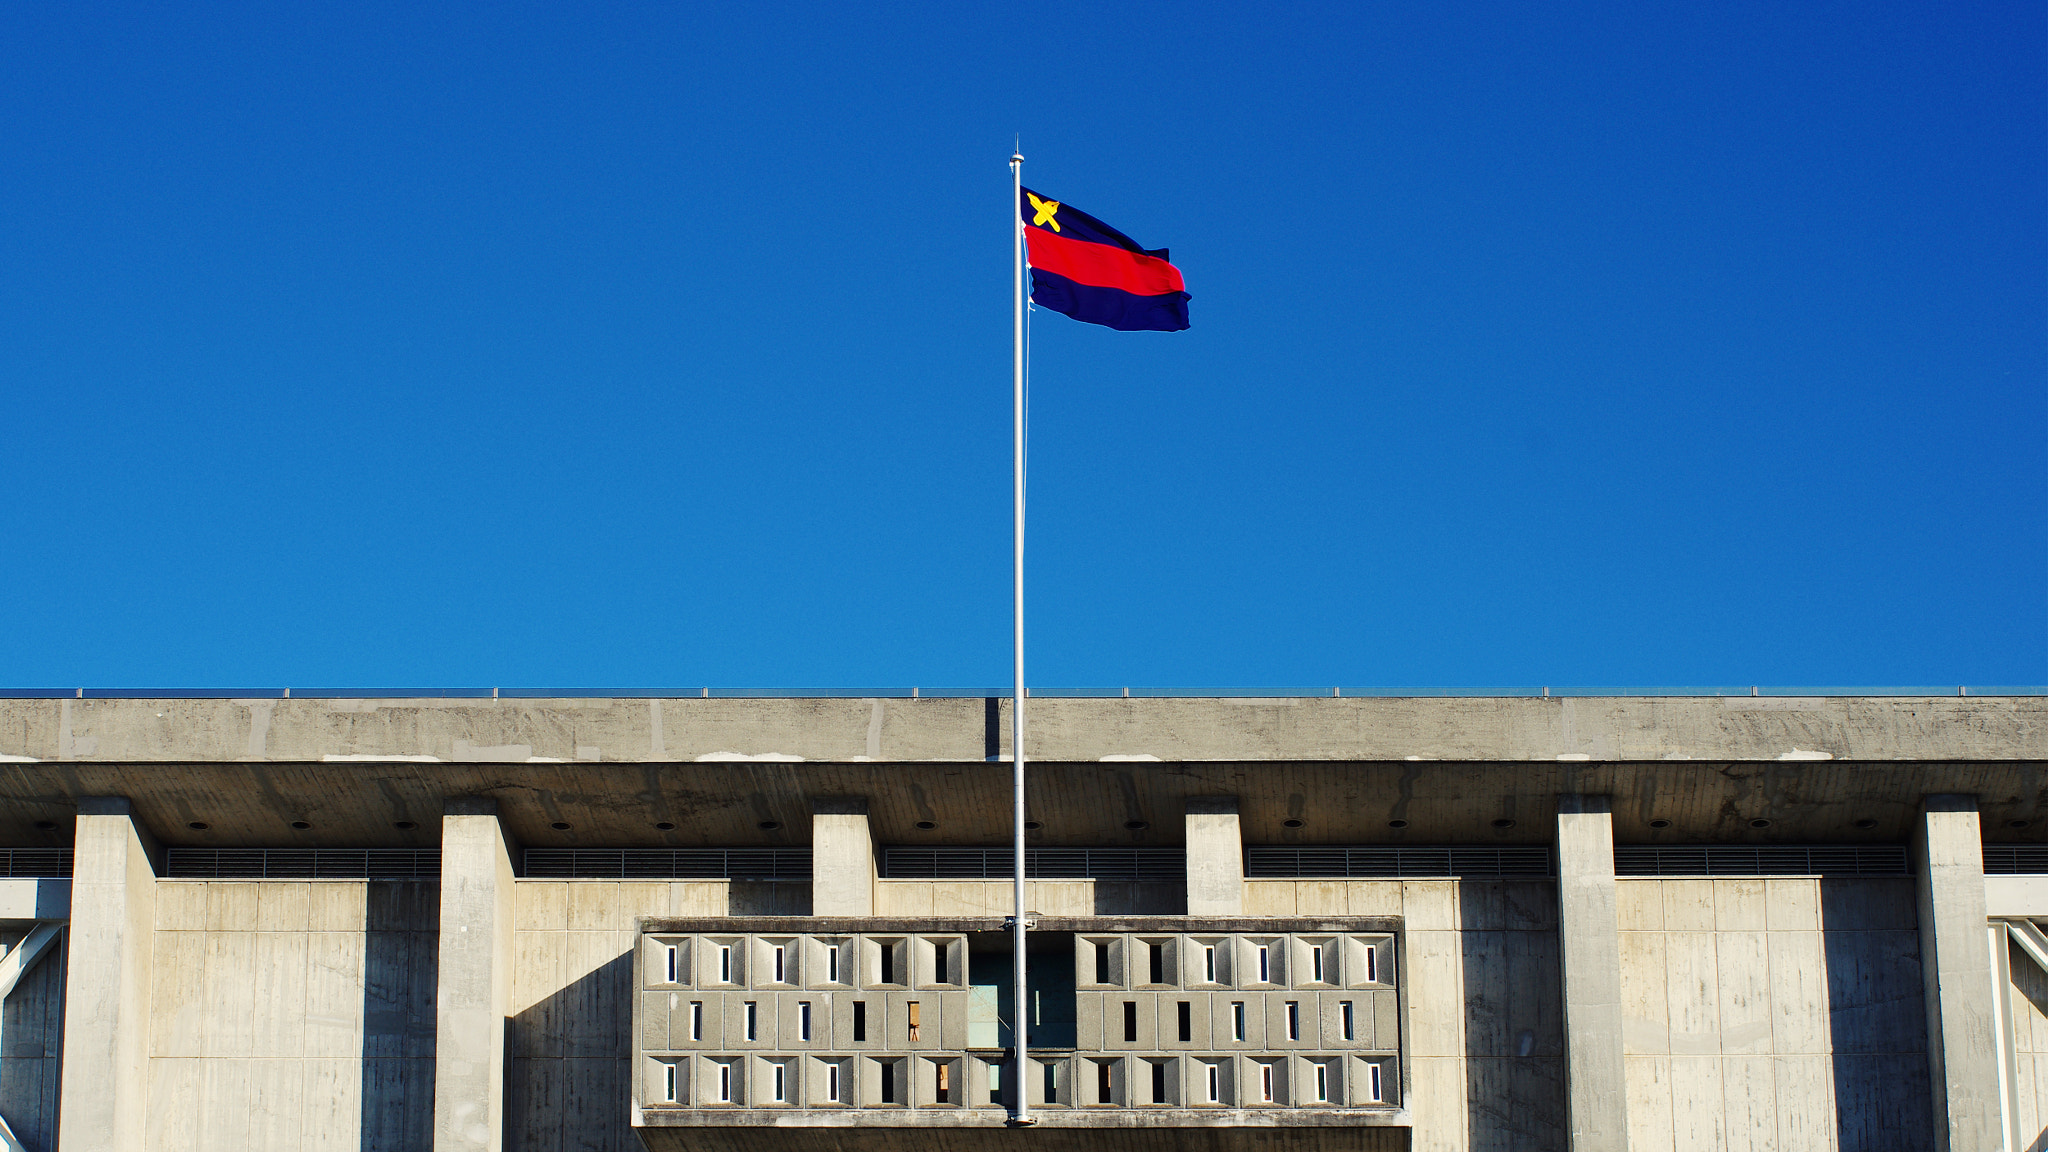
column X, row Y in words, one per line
column 1589, row 944
column 1962, row 1047
column 107, row 981
column 1215, row 857
column 473, row 992
column 842, row 857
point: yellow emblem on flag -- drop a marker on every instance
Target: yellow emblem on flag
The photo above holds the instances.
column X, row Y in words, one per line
column 1044, row 210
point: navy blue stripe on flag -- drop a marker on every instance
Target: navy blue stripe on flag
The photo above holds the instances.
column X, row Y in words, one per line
column 1110, row 307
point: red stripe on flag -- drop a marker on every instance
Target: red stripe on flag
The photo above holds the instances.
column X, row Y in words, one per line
column 1101, row 265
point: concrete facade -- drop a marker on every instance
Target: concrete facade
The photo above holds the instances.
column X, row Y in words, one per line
column 477, row 1006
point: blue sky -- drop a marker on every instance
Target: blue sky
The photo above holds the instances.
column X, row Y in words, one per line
column 664, row 345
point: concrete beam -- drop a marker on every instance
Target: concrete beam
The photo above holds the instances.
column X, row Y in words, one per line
column 1962, row 1048
column 46, row 899
column 843, row 874
column 107, row 982
column 473, row 993
column 1589, row 943
column 1215, row 857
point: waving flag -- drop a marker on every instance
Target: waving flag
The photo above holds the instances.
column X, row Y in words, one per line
column 1094, row 273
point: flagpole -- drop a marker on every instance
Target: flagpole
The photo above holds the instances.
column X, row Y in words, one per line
column 1020, row 1005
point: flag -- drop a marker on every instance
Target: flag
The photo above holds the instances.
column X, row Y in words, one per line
column 1096, row 274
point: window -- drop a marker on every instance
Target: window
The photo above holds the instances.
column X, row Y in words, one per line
column 860, row 1021
column 916, row 1018
column 725, row 1083
column 1130, row 1021
column 1102, row 962
column 1157, row 957
column 1105, row 1088
column 725, row 963
column 1237, row 1021
column 753, row 1020
column 1372, row 963
column 1052, row 1083
column 995, row 1083
column 1372, row 1087
column 803, row 1020
column 696, row 1019
column 1158, row 1082
column 1344, row 1014
column 668, row 1083
column 669, row 964
column 1209, row 963
column 945, row 1094
column 1315, row 963
column 1294, row 1019
column 1322, row 1083
column 888, row 972
column 1215, row 1082
column 780, row 970
column 781, row 1083
column 888, row 1081
column 832, row 963
column 1187, row 1022
column 1266, row 1083
column 832, row 1083
column 1265, row 965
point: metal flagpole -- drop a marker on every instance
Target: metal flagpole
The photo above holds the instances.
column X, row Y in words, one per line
column 1020, row 1005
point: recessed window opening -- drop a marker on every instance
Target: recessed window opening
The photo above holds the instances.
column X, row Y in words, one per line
column 995, row 1083
column 888, row 1082
column 1266, row 1083
column 1052, row 1083
column 780, row 970
column 888, row 965
column 1102, row 962
column 1294, row 1019
column 860, row 1021
column 1372, row 963
column 1315, row 963
column 1158, row 1082
column 1237, row 1021
column 832, row 963
column 1372, row 1087
column 781, row 1083
column 1215, row 1082
column 1209, row 963
column 1345, row 1020
column 1322, row 1083
column 945, row 1093
column 803, row 1020
column 668, row 1083
column 916, row 1018
column 725, row 963
column 753, row 1018
column 669, row 964
column 725, row 1083
column 832, row 1082
column 1187, row 1022
column 1265, row 965
column 696, row 1019
column 1105, row 1092
column 1157, row 959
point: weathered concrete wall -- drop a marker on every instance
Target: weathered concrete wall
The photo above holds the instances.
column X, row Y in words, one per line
column 31, row 1030
column 1773, row 1013
column 1486, row 1049
column 572, row 1005
column 2029, row 1003
column 1046, row 897
column 1182, row 728
column 292, row 1014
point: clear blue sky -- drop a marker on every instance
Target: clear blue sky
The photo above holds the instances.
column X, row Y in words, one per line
column 623, row 345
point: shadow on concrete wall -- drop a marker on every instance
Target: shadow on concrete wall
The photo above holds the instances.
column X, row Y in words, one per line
column 401, row 944
column 1141, row 899
column 1877, row 1015
column 31, row 1024
column 1514, row 1031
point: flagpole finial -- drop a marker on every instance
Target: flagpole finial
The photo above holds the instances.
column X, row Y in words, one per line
column 1016, row 157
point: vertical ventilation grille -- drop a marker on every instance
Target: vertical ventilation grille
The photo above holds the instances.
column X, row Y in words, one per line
column 1761, row 860
column 2015, row 859
column 1115, row 865
column 669, row 863
column 31, row 863
column 304, row 864
column 1510, row 862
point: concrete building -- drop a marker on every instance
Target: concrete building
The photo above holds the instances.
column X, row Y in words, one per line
column 1594, row 923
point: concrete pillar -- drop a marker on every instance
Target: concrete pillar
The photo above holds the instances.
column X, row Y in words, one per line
column 1962, row 1047
column 1589, row 945
column 1215, row 857
column 107, row 981
column 473, row 992
column 842, row 857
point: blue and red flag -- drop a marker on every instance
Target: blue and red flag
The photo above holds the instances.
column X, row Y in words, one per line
column 1094, row 273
